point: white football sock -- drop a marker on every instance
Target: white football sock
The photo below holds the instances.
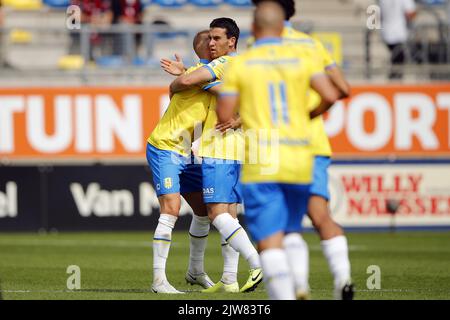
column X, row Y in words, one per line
column 277, row 276
column 238, row 239
column 230, row 262
column 198, row 235
column 298, row 257
column 336, row 253
column 161, row 245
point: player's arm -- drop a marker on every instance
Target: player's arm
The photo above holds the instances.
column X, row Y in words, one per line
column 228, row 101
column 174, row 67
column 208, row 73
column 338, row 79
column 226, row 106
column 334, row 72
column 186, row 81
column 234, row 123
column 329, row 94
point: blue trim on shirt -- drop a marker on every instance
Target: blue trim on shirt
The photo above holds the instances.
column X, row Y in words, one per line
column 213, row 84
column 204, row 61
column 211, row 71
column 264, row 41
column 332, row 65
column 233, row 54
column 287, row 24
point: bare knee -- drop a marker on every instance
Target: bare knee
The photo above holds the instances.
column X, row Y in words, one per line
column 215, row 209
column 170, row 204
column 321, row 219
column 274, row 241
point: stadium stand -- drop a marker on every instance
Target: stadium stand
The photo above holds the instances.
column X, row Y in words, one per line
column 33, row 29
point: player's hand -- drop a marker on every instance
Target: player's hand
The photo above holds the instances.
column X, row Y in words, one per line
column 173, row 67
column 233, row 123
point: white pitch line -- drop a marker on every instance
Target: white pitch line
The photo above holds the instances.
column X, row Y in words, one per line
column 113, row 244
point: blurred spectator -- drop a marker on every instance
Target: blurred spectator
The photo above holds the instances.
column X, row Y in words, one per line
column 97, row 13
column 126, row 12
column 1, row 35
column 395, row 17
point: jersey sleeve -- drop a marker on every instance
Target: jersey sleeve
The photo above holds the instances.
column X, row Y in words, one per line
column 328, row 61
column 315, row 66
column 231, row 79
column 216, row 68
column 211, row 84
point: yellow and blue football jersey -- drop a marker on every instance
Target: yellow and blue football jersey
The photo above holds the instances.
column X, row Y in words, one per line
column 187, row 110
column 214, row 144
column 272, row 81
column 320, row 142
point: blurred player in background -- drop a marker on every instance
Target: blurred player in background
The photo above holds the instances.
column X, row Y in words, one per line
column 221, row 164
column 269, row 86
column 176, row 172
column 334, row 243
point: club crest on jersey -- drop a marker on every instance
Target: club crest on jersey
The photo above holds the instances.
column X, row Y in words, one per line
column 167, row 183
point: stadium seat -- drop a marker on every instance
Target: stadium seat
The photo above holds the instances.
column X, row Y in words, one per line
column 146, row 3
column 71, row 62
column 239, row 3
column 20, row 36
column 171, row 3
column 57, row 3
column 110, row 61
column 23, row 4
column 206, row 3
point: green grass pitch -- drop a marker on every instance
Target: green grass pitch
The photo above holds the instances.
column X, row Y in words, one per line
column 414, row 265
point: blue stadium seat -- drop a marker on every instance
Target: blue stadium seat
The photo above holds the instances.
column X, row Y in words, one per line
column 433, row 2
column 110, row 61
column 57, row 3
column 171, row 3
column 206, row 3
column 239, row 3
column 146, row 3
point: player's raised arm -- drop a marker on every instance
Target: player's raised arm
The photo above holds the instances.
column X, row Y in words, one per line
column 329, row 94
column 174, row 67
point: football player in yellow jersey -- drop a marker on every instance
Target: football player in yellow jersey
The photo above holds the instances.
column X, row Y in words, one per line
column 176, row 172
column 269, row 86
column 333, row 241
column 220, row 169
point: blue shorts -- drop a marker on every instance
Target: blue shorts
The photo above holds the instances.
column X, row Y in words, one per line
column 319, row 186
column 274, row 207
column 221, row 181
column 172, row 172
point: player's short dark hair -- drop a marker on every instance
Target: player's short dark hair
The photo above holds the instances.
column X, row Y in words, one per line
column 231, row 27
column 287, row 5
